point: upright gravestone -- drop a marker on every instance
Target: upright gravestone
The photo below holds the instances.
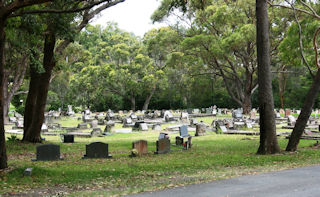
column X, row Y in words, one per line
column 156, row 127
column 163, row 146
column 291, row 120
column 200, row 129
column 287, row 113
column 143, row 127
column 141, row 146
column 48, row 152
column 97, row 150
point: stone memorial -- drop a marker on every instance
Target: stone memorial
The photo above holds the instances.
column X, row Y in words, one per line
column 141, row 147
column 163, row 146
column 97, row 150
column 287, row 113
column 48, row 152
column 143, row 127
column 291, row 120
column 67, row 138
column 200, row 129
column 156, row 127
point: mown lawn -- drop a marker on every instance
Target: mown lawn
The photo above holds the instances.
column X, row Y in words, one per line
column 212, row 157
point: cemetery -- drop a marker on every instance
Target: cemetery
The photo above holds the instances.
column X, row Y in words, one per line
column 74, row 155
column 219, row 90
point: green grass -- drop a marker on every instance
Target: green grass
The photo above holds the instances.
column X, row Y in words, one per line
column 212, row 157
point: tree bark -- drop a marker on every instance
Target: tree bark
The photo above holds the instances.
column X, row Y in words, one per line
column 147, row 101
column 31, row 98
column 246, row 103
column 3, row 152
column 34, row 130
column 305, row 114
column 268, row 138
column 133, row 102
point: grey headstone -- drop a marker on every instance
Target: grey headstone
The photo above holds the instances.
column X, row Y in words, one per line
column 143, row 127
column 97, row 150
column 156, row 127
column 183, row 131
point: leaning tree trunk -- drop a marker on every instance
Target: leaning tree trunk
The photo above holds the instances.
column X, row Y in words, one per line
column 31, row 100
column 268, row 137
column 6, row 105
column 33, row 132
column 304, row 115
column 3, row 153
column 148, row 99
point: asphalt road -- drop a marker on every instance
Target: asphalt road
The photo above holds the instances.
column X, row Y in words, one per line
column 299, row 182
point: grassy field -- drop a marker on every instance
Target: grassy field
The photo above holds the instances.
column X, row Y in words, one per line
column 212, row 157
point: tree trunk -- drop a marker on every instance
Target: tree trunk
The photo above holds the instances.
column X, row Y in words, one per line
column 33, row 132
column 246, row 104
column 5, row 89
column 268, row 137
column 133, row 103
column 3, row 152
column 304, row 115
column 31, row 99
column 147, row 101
column 282, row 78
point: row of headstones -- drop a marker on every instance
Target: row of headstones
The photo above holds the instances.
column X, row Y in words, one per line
column 51, row 152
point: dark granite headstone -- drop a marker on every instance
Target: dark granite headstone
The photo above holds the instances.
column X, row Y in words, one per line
column 163, row 146
column 67, row 138
column 97, row 150
column 48, row 152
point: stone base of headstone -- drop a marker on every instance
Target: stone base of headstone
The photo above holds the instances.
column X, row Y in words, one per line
column 179, row 141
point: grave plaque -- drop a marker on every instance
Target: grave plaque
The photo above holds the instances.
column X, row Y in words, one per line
column 97, row 150
column 48, row 152
column 183, row 130
column 141, row 146
column 163, row 146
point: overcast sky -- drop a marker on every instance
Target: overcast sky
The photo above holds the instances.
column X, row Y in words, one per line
column 131, row 15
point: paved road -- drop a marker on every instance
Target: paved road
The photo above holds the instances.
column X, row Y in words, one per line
column 299, row 182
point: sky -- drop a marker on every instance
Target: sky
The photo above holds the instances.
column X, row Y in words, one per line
column 131, row 15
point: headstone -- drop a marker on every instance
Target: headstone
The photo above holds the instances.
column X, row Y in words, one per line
column 237, row 114
column 214, row 112
column 189, row 110
column 19, row 124
column 156, row 127
column 133, row 116
column 196, row 111
column 141, row 146
column 208, row 110
column 17, row 115
column 82, row 126
column 94, row 124
column 143, row 127
column 184, row 116
column 70, row 112
column 163, row 146
column 291, row 120
column 27, row 172
column 96, row 132
column 97, row 150
column 193, row 122
column 12, row 119
column 278, row 115
column 48, row 152
column 200, row 129
column 183, row 131
column 287, row 113
column 67, row 138
column 221, row 128
column 44, row 128
column 163, row 135
column 249, row 125
column 281, row 111
column 253, row 115
column 168, row 116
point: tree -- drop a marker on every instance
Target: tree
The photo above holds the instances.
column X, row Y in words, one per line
column 268, row 137
column 36, row 101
